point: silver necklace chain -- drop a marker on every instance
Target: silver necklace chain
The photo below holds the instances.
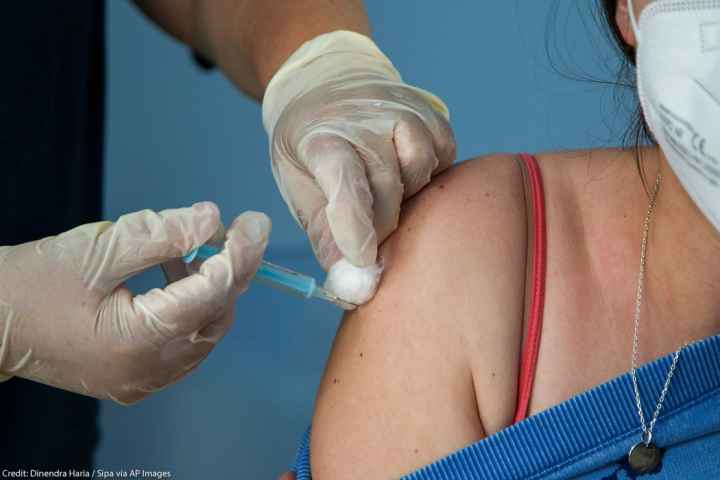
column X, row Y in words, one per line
column 648, row 431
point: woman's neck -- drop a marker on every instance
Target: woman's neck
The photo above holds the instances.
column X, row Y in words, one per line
column 683, row 265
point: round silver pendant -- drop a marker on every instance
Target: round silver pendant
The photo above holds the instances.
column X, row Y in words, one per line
column 644, row 458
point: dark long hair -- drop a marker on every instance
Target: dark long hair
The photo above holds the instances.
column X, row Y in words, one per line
column 609, row 11
column 639, row 133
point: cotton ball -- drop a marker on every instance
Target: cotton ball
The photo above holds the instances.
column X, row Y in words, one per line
column 353, row 284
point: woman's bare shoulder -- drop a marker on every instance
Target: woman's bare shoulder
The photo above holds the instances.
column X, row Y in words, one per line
column 430, row 365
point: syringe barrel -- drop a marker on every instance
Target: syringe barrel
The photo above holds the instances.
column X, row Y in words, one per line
column 268, row 273
column 289, row 280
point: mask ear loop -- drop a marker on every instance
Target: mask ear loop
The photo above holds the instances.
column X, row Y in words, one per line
column 636, row 30
column 633, row 20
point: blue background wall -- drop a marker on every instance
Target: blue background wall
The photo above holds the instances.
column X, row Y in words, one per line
column 177, row 135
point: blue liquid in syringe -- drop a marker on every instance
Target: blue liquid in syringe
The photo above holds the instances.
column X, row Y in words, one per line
column 279, row 277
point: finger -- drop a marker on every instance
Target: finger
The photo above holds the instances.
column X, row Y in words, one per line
column 436, row 117
column 444, row 141
column 387, row 190
column 287, row 476
column 144, row 239
column 180, row 357
column 245, row 254
column 307, row 204
column 321, row 238
column 192, row 303
column 177, row 268
column 341, row 176
column 215, row 331
column 247, row 239
column 415, row 152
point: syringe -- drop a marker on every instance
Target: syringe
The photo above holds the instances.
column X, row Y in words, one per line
column 279, row 277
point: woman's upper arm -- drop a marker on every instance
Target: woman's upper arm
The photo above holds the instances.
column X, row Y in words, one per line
column 430, row 365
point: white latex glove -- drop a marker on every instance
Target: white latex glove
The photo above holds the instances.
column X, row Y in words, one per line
column 349, row 140
column 66, row 319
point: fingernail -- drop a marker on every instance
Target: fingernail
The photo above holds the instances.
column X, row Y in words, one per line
column 206, row 217
column 255, row 226
column 203, row 207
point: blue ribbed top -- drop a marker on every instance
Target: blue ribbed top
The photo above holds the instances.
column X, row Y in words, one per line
column 592, row 430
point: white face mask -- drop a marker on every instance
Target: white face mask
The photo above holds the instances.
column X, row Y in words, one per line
column 678, row 66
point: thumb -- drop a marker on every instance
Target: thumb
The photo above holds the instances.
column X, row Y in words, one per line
column 322, row 240
column 140, row 240
column 201, row 302
column 340, row 174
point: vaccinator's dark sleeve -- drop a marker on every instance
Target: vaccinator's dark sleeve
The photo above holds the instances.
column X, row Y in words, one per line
column 51, row 145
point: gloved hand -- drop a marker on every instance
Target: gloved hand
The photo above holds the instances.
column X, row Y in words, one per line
column 67, row 320
column 348, row 140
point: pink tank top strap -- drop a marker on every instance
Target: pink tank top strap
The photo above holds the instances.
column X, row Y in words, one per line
column 529, row 357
